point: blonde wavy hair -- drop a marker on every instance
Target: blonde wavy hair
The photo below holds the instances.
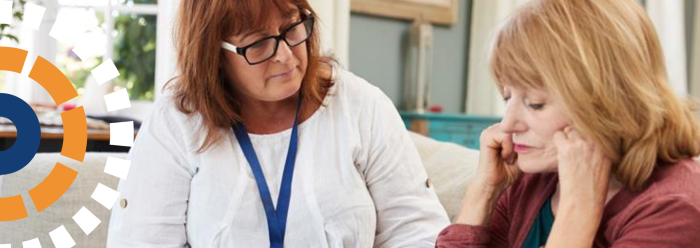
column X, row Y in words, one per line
column 603, row 62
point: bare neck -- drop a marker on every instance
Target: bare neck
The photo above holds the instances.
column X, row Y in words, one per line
column 262, row 117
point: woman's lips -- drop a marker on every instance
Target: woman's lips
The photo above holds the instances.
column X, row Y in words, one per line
column 521, row 148
column 283, row 75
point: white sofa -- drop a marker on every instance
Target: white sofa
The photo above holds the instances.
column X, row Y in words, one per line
column 449, row 166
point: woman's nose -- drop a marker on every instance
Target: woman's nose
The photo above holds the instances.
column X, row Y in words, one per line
column 511, row 122
column 284, row 52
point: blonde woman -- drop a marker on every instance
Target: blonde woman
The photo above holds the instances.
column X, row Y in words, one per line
column 594, row 149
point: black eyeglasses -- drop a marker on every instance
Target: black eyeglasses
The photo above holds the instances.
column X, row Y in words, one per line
column 266, row 48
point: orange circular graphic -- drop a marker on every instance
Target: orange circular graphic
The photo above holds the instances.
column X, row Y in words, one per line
column 74, row 141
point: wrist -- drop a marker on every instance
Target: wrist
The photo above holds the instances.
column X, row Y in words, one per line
column 479, row 202
column 581, row 210
column 586, row 220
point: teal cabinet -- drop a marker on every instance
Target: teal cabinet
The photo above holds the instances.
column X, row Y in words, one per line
column 460, row 129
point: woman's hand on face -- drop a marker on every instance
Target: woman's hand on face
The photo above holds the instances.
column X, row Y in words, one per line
column 584, row 170
column 496, row 171
column 497, row 168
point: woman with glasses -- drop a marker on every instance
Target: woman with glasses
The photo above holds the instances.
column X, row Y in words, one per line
column 263, row 142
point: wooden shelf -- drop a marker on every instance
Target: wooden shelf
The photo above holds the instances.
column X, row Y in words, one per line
column 9, row 131
column 442, row 12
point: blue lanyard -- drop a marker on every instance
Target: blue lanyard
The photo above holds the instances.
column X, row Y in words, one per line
column 276, row 219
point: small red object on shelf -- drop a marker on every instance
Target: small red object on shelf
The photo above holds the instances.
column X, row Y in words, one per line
column 435, row 109
column 68, row 106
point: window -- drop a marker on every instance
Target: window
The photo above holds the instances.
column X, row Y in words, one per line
column 126, row 32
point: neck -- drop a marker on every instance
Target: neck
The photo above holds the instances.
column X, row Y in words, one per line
column 261, row 117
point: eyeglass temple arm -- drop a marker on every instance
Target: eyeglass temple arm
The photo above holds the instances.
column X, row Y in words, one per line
column 229, row 46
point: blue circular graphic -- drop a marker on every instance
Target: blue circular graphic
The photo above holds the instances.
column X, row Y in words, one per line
column 28, row 134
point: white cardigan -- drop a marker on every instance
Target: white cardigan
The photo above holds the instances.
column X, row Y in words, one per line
column 358, row 181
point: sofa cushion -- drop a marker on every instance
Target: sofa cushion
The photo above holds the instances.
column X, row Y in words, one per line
column 449, row 167
column 38, row 225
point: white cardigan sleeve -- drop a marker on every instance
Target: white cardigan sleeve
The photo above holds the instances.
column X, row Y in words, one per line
column 409, row 213
column 156, row 190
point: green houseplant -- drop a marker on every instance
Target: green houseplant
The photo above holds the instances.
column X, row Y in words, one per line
column 5, row 30
column 18, row 13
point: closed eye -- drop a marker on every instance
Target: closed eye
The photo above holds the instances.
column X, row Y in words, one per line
column 536, row 106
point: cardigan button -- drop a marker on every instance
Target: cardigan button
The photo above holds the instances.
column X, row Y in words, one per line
column 428, row 183
column 123, row 203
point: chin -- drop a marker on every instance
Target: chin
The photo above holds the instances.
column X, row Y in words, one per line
column 292, row 91
column 286, row 92
column 284, row 89
column 532, row 166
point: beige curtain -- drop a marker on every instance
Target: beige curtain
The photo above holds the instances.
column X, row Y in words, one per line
column 482, row 96
column 334, row 24
column 668, row 17
column 695, row 56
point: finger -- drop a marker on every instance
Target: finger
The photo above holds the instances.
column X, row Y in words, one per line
column 491, row 144
column 574, row 135
column 495, row 138
column 490, row 137
column 559, row 139
column 507, row 151
column 568, row 129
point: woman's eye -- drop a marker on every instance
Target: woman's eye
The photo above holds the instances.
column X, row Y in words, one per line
column 257, row 44
column 537, row 106
column 506, row 98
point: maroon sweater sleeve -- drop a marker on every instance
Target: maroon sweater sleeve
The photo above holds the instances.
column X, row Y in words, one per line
column 665, row 214
column 667, row 221
column 466, row 236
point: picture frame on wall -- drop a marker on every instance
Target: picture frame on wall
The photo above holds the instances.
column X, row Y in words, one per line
column 441, row 12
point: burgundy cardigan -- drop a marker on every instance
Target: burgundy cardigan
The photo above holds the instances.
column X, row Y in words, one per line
column 665, row 214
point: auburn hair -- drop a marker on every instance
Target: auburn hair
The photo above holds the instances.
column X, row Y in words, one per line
column 202, row 87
